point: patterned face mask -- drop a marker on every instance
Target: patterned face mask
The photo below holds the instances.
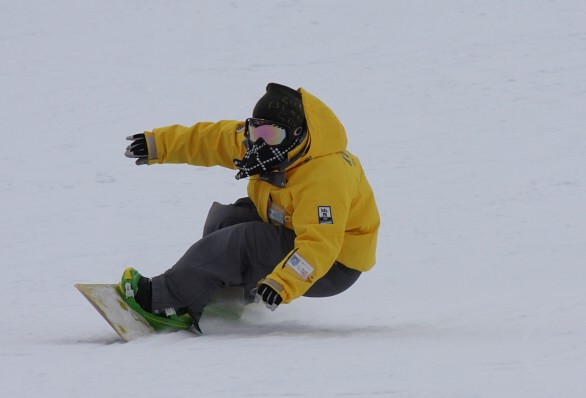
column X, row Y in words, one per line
column 261, row 157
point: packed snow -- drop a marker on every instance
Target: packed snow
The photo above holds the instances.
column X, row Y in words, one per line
column 469, row 117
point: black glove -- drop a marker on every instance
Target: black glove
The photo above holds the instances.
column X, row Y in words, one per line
column 138, row 148
column 269, row 296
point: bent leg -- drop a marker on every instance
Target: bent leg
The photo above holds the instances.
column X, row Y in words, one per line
column 238, row 255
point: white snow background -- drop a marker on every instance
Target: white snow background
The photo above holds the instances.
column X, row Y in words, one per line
column 469, row 117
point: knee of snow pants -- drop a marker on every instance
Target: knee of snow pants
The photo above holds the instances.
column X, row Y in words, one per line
column 337, row 279
column 222, row 216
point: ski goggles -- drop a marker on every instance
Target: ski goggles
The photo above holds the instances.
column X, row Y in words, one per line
column 272, row 133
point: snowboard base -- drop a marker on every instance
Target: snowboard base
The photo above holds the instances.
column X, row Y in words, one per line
column 130, row 325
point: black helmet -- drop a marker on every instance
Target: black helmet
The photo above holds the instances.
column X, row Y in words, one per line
column 281, row 104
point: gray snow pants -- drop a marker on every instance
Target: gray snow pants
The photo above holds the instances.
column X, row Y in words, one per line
column 237, row 249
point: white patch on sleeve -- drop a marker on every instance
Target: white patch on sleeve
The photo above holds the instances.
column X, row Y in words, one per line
column 300, row 266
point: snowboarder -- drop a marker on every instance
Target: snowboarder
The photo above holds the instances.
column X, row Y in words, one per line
column 307, row 228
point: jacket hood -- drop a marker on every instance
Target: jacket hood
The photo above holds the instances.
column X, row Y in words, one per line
column 326, row 132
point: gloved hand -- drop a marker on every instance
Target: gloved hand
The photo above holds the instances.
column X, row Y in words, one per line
column 137, row 149
column 268, row 295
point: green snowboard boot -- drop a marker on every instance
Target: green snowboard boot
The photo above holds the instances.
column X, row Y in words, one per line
column 167, row 320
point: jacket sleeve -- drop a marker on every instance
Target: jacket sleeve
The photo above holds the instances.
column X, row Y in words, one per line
column 203, row 144
column 319, row 219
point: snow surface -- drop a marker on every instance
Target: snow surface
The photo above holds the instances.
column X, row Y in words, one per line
column 468, row 116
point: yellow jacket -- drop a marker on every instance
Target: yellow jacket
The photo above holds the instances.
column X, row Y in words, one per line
column 326, row 200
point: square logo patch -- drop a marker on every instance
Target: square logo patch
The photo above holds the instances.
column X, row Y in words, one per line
column 324, row 214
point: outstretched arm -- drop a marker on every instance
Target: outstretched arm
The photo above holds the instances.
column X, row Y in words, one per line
column 203, row 144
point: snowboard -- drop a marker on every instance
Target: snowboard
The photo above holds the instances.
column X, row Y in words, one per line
column 130, row 325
